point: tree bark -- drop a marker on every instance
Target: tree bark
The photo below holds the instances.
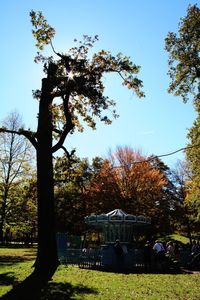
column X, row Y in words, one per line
column 3, row 214
column 47, row 259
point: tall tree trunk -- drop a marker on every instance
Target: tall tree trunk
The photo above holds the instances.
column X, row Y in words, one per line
column 189, row 235
column 47, row 259
column 3, row 213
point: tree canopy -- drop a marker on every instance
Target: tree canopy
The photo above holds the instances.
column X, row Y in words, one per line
column 184, row 56
column 134, row 183
column 184, row 71
column 79, row 80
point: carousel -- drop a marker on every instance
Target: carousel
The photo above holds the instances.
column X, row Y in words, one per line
column 104, row 230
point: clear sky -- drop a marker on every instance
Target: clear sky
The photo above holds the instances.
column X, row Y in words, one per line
column 158, row 124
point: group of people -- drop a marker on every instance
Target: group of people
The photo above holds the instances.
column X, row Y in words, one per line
column 155, row 255
column 159, row 253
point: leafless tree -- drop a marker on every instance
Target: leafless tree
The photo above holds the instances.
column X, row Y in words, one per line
column 15, row 155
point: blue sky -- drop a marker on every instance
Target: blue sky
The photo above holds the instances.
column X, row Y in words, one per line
column 158, row 124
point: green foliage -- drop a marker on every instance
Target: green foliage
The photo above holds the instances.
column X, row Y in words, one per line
column 25, row 224
column 21, row 220
column 193, row 158
column 72, row 178
column 184, row 58
column 184, row 71
column 184, row 219
column 78, row 79
column 15, row 165
column 43, row 32
column 193, row 151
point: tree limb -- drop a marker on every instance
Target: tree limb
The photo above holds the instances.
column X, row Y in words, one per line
column 69, row 125
column 60, row 143
column 69, row 155
column 28, row 134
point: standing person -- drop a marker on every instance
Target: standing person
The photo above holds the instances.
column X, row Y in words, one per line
column 159, row 253
column 147, row 256
column 158, row 247
column 119, row 254
column 194, row 249
column 176, row 251
column 170, row 249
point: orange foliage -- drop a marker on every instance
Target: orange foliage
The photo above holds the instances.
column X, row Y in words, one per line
column 128, row 181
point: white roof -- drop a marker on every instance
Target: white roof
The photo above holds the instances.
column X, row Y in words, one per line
column 117, row 212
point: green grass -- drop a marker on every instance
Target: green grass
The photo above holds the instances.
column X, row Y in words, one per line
column 15, row 265
column 74, row 283
column 179, row 238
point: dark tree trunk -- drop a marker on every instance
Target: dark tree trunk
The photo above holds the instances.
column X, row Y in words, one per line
column 3, row 214
column 189, row 235
column 47, row 259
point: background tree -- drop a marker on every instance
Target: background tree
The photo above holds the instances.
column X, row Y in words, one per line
column 102, row 194
column 184, row 59
column 193, row 159
column 72, row 185
column 184, row 71
column 15, row 156
column 182, row 179
column 71, row 181
column 168, row 198
column 72, row 92
column 130, row 181
column 24, row 224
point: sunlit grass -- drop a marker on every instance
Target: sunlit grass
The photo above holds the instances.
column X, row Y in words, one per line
column 180, row 238
column 16, row 265
column 132, row 286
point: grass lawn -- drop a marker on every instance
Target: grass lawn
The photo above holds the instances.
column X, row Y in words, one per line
column 178, row 238
column 74, row 283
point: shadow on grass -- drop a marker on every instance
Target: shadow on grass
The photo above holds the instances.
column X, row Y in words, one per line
column 7, row 278
column 52, row 291
column 63, row 291
column 12, row 259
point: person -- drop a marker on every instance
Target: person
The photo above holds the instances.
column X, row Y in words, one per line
column 119, row 254
column 159, row 251
column 147, row 256
column 194, row 249
column 177, row 251
column 170, row 249
column 195, row 256
column 158, row 247
column 198, row 247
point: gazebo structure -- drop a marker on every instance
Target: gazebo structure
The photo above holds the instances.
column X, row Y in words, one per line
column 107, row 228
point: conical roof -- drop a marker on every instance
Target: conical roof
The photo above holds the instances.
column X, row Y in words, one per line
column 116, row 216
column 117, row 212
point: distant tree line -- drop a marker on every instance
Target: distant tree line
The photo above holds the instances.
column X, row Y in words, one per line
column 126, row 179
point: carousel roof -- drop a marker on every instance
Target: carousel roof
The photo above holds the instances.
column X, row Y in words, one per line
column 116, row 216
column 117, row 212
